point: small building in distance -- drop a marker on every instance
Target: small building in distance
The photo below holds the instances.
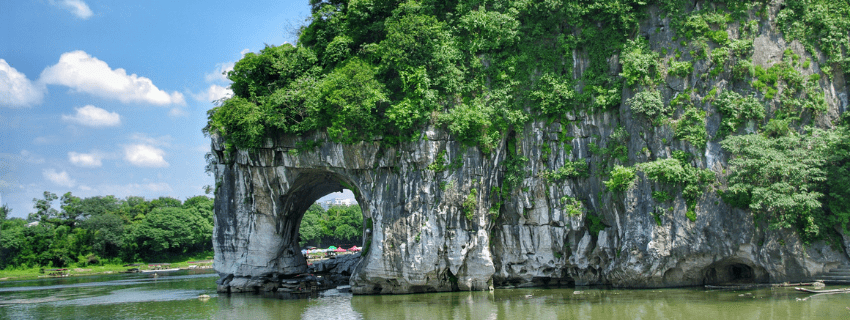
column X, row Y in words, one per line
column 337, row 202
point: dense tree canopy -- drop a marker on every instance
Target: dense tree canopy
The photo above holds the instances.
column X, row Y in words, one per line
column 385, row 68
column 795, row 180
column 105, row 228
column 338, row 225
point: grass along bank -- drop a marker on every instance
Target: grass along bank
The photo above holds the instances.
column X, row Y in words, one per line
column 181, row 262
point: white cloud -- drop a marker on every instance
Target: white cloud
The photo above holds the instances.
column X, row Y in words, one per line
column 93, row 117
column 82, row 72
column 16, row 90
column 213, row 93
column 219, row 87
column 86, row 160
column 142, row 155
column 58, row 178
column 219, row 74
column 77, row 7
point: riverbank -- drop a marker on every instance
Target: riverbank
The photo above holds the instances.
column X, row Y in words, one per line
column 183, row 263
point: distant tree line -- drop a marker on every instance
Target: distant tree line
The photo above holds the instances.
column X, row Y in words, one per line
column 105, row 229
column 338, row 225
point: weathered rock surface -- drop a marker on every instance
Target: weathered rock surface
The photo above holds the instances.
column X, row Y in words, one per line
column 342, row 265
column 422, row 241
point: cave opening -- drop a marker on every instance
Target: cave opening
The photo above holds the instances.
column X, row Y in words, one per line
column 732, row 272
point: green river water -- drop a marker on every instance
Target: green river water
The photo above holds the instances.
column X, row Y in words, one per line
column 175, row 296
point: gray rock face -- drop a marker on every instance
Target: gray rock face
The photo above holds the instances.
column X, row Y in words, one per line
column 342, row 265
column 421, row 239
column 435, row 230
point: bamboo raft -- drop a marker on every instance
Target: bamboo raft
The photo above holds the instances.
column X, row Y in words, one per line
column 758, row 286
column 844, row 290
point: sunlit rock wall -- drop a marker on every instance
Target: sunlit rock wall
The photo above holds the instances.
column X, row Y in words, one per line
column 423, row 240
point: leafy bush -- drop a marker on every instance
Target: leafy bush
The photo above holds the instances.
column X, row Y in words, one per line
column 554, row 95
column 742, row 69
column 338, row 50
column 495, row 209
column 439, row 163
column 692, row 215
column 570, row 170
column 594, row 224
column 698, row 25
column 741, row 47
column 514, row 173
column 819, row 24
column 258, row 75
column 778, row 127
column 836, row 190
column 639, row 63
column 616, row 147
column 718, row 58
column 242, row 122
column 665, row 170
column 572, row 206
column 476, row 123
column 677, row 171
column 661, row 196
column 483, row 30
column 348, row 98
column 680, row 68
column 648, row 103
column 621, row 178
column 783, row 178
column 691, row 127
column 736, row 110
column 470, row 204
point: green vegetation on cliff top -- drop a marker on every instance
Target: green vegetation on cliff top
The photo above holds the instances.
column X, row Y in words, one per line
column 368, row 69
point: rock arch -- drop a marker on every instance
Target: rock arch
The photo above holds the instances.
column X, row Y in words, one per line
column 415, row 245
column 439, row 223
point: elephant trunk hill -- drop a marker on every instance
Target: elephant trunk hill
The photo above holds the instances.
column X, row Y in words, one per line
column 677, row 144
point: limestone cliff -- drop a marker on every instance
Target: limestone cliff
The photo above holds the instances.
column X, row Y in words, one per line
column 437, row 218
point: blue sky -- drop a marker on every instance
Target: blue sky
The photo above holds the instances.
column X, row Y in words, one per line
column 109, row 97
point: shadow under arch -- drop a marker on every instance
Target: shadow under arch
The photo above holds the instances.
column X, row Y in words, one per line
column 309, row 186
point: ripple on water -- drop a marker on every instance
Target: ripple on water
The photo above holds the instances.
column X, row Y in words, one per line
column 337, row 306
column 133, row 295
